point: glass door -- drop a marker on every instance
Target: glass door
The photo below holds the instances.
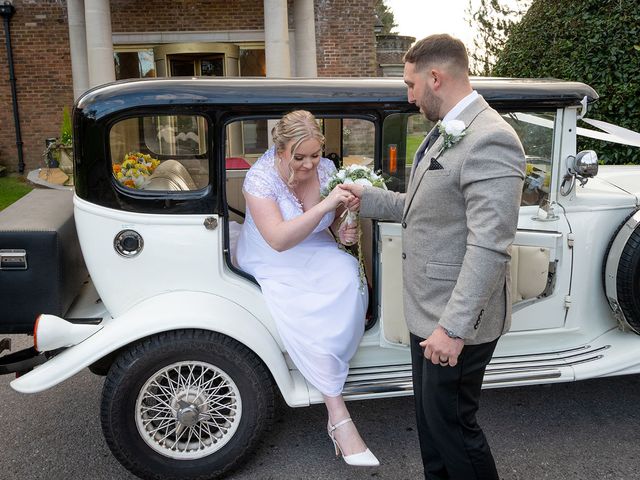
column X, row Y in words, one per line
column 205, row 65
column 204, row 59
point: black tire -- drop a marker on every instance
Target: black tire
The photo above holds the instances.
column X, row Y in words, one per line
column 628, row 280
column 249, row 395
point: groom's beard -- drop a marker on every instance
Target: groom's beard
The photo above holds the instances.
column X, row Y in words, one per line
column 431, row 105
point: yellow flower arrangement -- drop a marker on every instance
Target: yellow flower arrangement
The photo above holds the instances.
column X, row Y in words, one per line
column 135, row 169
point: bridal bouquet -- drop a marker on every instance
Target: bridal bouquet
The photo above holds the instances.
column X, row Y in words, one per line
column 360, row 175
column 135, row 169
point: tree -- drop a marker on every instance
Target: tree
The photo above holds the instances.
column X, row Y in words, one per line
column 492, row 20
column 385, row 15
column 592, row 41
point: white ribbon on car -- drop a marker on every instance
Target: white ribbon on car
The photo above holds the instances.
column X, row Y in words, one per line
column 611, row 133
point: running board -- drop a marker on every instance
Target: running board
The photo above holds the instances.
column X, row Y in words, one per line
column 507, row 371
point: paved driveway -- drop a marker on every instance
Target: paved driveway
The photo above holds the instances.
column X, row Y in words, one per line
column 582, row 431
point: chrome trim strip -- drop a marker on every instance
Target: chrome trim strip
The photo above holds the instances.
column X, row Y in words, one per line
column 374, row 381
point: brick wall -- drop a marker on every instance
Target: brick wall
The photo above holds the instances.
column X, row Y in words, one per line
column 346, row 44
column 40, row 38
column 187, row 15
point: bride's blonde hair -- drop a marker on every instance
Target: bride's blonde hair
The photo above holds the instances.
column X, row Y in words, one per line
column 296, row 127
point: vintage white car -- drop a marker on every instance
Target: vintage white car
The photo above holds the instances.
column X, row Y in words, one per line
column 192, row 357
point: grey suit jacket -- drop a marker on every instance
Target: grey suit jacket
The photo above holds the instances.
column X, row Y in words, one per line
column 458, row 226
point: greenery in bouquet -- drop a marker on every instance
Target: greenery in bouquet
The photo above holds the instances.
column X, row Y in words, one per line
column 135, row 169
column 358, row 174
column 361, row 175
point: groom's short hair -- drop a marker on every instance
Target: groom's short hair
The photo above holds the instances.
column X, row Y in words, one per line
column 438, row 49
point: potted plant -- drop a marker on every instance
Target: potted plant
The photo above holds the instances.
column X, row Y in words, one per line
column 59, row 151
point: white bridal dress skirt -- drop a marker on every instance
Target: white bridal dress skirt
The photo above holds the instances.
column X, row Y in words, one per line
column 313, row 292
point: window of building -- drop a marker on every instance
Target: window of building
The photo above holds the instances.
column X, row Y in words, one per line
column 163, row 152
column 134, row 62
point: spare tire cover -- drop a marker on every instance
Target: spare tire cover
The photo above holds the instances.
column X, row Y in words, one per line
column 622, row 272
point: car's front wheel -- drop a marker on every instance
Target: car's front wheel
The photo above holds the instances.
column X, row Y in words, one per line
column 185, row 405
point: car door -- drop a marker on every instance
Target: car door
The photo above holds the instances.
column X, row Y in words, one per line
column 541, row 261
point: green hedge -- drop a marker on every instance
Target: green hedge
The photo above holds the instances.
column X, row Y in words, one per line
column 592, row 41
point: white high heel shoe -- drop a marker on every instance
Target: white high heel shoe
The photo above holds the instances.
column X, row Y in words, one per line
column 362, row 459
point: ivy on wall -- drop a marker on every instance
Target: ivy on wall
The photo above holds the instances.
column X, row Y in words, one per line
column 592, row 41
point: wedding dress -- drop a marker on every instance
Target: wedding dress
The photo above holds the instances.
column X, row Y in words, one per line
column 312, row 289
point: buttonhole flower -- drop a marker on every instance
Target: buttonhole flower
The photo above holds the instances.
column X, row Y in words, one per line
column 451, row 132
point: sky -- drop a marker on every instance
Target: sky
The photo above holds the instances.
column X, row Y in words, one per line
column 419, row 18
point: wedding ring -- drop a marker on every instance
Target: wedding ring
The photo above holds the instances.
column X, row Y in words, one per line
column 444, row 362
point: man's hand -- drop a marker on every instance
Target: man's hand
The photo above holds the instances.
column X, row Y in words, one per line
column 357, row 191
column 441, row 349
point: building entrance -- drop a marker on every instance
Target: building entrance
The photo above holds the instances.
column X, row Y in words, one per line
column 204, row 59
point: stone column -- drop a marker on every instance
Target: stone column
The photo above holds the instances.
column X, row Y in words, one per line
column 99, row 42
column 276, row 38
column 305, row 35
column 78, row 47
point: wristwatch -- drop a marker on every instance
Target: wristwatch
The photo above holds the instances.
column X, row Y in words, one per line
column 449, row 333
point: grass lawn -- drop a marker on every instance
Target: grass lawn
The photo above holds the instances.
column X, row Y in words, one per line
column 11, row 189
column 413, row 142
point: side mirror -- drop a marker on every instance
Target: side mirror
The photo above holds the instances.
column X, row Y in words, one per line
column 585, row 164
column 582, row 167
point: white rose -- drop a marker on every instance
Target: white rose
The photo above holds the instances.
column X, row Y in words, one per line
column 347, row 181
column 454, row 127
column 363, row 181
column 341, row 174
column 359, row 167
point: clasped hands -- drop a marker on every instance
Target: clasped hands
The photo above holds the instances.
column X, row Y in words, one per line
column 349, row 199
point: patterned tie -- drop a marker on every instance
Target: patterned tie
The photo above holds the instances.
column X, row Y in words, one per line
column 432, row 139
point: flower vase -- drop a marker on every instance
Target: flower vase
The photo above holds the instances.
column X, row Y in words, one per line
column 66, row 162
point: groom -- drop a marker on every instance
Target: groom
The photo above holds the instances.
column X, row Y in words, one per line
column 459, row 218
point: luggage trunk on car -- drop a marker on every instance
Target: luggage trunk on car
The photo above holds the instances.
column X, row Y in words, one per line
column 41, row 265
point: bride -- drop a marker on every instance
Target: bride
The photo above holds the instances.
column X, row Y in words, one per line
column 312, row 287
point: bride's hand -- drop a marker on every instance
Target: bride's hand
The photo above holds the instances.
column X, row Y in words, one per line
column 337, row 197
column 348, row 233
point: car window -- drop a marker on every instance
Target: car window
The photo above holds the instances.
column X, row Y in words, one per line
column 347, row 141
column 403, row 133
column 160, row 152
column 536, row 134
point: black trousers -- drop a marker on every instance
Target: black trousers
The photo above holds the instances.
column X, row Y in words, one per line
column 452, row 444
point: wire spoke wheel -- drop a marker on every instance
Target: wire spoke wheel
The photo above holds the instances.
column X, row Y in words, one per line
column 188, row 410
column 186, row 404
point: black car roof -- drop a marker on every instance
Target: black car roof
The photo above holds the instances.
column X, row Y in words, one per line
column 499, row 92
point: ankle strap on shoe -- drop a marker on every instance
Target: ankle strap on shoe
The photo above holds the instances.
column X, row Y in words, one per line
column 339, row 424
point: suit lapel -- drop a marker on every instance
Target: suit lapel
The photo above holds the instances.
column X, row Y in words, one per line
column 468, row 116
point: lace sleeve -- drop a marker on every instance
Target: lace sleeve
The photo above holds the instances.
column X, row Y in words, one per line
column 259, row 183
column 326, row 169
